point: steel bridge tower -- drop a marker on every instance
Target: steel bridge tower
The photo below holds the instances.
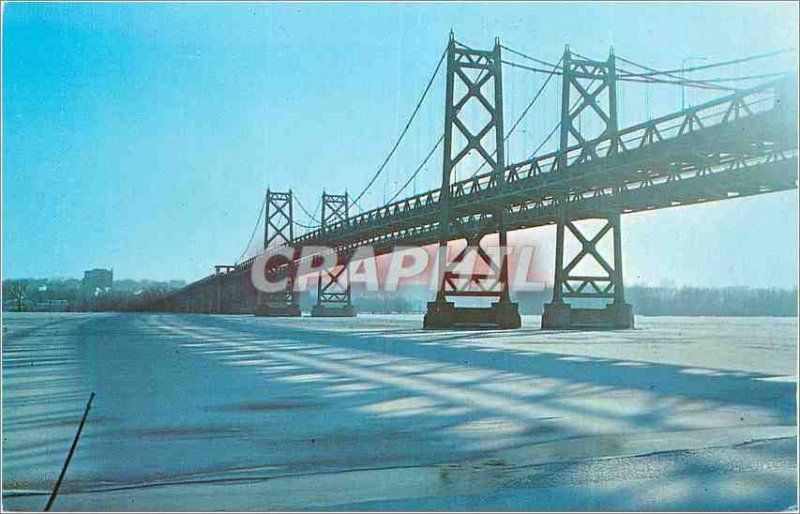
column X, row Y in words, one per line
column 279, row 231
column 219, row 302
column 333, row 285
column 589, row 274
column 474, row 85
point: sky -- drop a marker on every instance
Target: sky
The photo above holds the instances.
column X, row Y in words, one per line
column 142, row 136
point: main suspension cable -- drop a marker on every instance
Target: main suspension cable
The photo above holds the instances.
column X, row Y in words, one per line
column 632, row 77
column 627, row 76
column 672, row 73
column 419, row 168
column 679, row 79
column 524, row 112
column 308, row 213
column 303, row 225
column 752, row 77
column 558, row 125
column 255, row 229
column 530, row 68
column 438, row 142
column 700, row 84
column 534, row 59
column 405, row 129
column 652, row 72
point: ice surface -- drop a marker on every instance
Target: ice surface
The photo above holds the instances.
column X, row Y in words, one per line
column 237, row 413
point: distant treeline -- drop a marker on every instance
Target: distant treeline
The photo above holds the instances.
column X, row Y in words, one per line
column 706, row 301
column 690, row 301
column 646, row 300
column 67, row 294
column 38, row 294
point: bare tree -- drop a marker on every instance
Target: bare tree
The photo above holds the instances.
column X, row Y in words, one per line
column 18, row 290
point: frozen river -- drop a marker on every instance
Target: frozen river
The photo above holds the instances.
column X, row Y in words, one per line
column 227, row 412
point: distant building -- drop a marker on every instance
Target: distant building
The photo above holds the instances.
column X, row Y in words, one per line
column 98, row 280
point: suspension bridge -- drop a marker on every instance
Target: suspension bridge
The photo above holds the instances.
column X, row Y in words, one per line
column 739, row 144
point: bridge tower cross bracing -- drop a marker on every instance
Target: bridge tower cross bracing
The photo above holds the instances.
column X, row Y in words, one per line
column 470, row 73
column 279, row 231
column 595, row 86
column 333, row 285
